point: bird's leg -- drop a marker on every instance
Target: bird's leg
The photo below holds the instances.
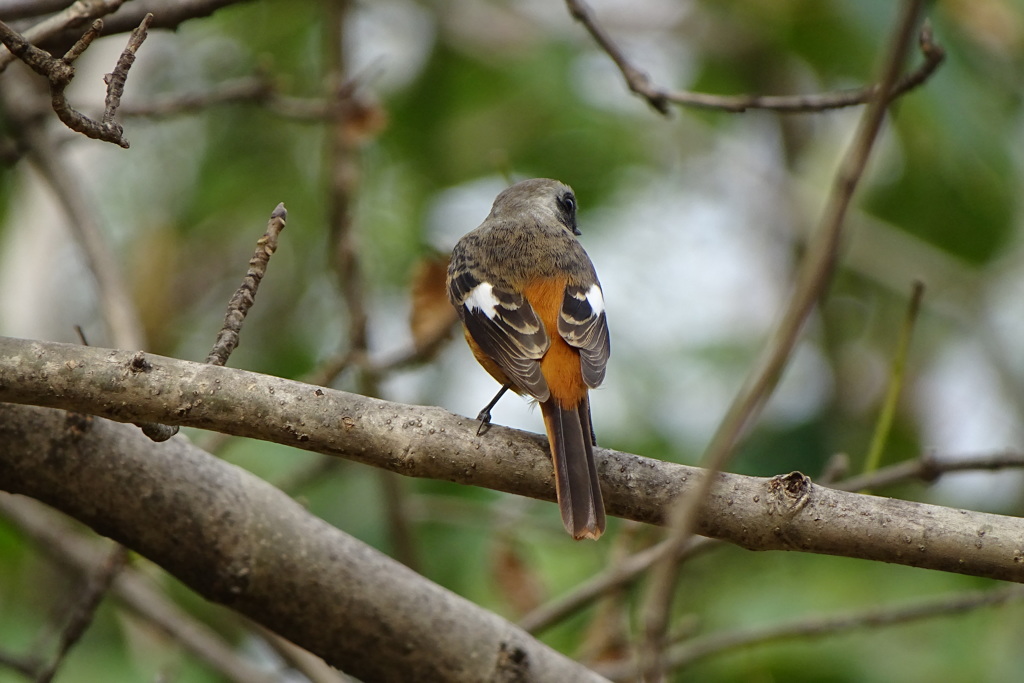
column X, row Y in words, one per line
column 485, row 414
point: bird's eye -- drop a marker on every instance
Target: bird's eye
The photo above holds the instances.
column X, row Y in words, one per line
column 568, row 203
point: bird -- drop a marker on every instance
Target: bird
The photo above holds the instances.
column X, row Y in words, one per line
column 533, row 313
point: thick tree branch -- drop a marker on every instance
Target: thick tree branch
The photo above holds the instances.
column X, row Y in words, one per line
column 254, row 549
column 780, row 513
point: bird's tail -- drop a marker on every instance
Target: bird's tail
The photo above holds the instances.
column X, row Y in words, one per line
column 576, row 483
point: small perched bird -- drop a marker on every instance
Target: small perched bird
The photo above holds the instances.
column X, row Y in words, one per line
column 534, row 317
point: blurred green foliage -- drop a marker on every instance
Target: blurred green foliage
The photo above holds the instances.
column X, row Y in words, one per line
column 509, row 89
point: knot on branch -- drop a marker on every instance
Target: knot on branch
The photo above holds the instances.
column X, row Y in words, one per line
column 138, row 363
column 788, row 493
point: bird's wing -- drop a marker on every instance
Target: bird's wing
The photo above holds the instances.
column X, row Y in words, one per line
column 582, row 322
column 505, row 326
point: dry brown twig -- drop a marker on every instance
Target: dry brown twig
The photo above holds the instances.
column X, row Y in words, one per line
column 238, row 307
column 131, row 589
column 245, row 295
column 26, row 9
column 609, row 579
column 815, row 274
column 85, row 608
column 258, row 89
column 821, row 626
column 74, row 16
column 926, row 468
column 22, row 106
column 660, row 98
column 59, row 72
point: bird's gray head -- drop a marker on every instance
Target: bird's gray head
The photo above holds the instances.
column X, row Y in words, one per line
column 540, row 197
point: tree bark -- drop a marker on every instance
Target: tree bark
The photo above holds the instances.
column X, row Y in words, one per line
column 779, row 513
column 239, row 541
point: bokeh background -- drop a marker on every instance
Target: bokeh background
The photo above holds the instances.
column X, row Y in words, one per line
column 696, row 223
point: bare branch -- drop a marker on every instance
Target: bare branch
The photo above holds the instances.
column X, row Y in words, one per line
column 71, row 19
column 115, row 80
column 614, row 577
column 23, row 9
column 59, row 73
column 660, row 98
column 637, row 80
column 778, row 513
column 313, row 584
column 245, row 296
column 26, row 666
column 815, row 274
column 238, row 308
column 168, row 14
column 255, row 89
column 258, row 89
column 928, row 468
column 119, row 314
column 820, row 627
column 132, row 590
column 85, row 609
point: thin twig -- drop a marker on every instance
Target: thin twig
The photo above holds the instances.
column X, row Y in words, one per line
column 242, row 300
column 26, row 9
column 59, row 72
column 611, row 578
column 630, row 570
column 245, row 295
column 637, row 80
column 819, row 627
column 27, row 666
column 115, row 80
column 379, row 367
column 896, row 376
column 313, row 668
column 75, row 15
column 85, row 610
column 343, row 171
column 119, row 313
column 252, row 89
column 258, row 89
column 928, row 468
column 131, row 589
column 816, row 272
column 660, row 98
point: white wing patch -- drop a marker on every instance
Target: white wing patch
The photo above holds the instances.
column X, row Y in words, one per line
column 481, row 298
column 596, row 299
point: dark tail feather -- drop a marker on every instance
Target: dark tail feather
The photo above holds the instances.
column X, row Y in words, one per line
column 579, row 491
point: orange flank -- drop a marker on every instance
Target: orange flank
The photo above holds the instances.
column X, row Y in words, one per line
column 561, row 364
